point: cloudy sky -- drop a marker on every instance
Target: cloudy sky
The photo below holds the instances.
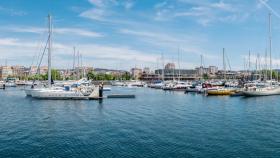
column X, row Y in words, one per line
column 122, row 34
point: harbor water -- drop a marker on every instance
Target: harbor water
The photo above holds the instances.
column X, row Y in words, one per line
column 154, row 124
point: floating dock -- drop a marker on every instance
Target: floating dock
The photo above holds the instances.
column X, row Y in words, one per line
column 113, row 96
column 91, row 97
column 121, row 96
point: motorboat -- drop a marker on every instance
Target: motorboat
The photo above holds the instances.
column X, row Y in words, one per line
column 10, row 84
column 135, row 84
column 2, row 85
column 181, row 86
column 168, row 86
column 117, row 83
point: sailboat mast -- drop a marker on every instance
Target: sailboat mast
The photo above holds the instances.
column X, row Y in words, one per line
column 265, row 64
column 163, row 68
column 82, row 66
column 74, row 60
column 258, row 66
column 179, row 67
column 49, row 52
column 270, row 61
column 224, row 64
column 244, row 65
column 157, row 67
column 78, row 67
column 201, row 66
column 249, row 60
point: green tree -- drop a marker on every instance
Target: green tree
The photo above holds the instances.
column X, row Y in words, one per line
column 205, row 76
column 55, row 75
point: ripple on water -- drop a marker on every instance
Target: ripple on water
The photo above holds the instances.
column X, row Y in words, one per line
column 154, row 124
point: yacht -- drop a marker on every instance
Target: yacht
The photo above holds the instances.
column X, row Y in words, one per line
column 261, row 91
column 67, row 92
column 261, row 88
column 2, row 85
column 181, row 86
column 168, row 85
column 10, row 84
column 135, row 84
column 117, row 83
column 268, row 88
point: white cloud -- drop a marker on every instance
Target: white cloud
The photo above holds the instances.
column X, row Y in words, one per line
column 223, row 6
column 24, row 29
column 77, row 31
column 62, row 53
column 189, row 45
column 203, row 12
column 117, row 53
column 195, row 11
column 103, row 10
column 94, row 14
column 12, row 12
column 152, row 35
column 8, row 41
column 62, row 30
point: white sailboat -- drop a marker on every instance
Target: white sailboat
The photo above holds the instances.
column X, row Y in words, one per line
column 29, row 91
column 57, row 93
column 53, row 92
column 267, row 89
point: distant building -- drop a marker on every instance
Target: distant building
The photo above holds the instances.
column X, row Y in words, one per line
column 212, row 70
column 146, row 70
column 33, row 70
column 136, row 73
column 169, row 66
column 177, row 74
column 43, row 70
column 5, row 71
column 201, row 70
column 228, row 75
column 19, row 71
column 106, row 71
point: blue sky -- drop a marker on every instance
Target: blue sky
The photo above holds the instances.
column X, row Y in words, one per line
column 122, row 34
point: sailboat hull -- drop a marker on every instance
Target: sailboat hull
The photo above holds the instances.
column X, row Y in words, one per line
column 57, row 95
column 220, row 92
column 29, row 92
column 274, row 91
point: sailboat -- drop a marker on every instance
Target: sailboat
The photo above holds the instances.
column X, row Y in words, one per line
column 53, row 92
column 28, row 91
column 268, row 88
column 221, row 90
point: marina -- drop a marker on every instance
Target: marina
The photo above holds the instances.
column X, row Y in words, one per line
column 139, row 79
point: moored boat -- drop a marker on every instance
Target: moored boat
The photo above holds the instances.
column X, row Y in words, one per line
column 181, row 86
column 221, row 91
column 265, row 91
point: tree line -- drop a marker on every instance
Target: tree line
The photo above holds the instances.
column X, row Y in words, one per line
column 90, row 75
